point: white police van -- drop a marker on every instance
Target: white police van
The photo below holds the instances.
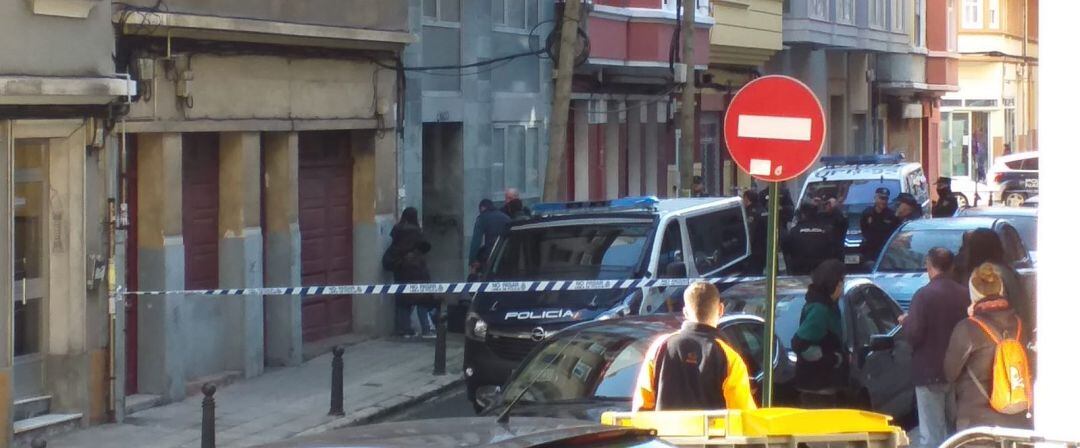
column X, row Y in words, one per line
column 629, row 238
column 853, row 181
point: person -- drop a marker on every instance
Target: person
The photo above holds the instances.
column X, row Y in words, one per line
column 513, row 207
column 787, row 206
column 693, row 369
column 697, row 188
column 908, row 208
column 984, row 246
column 756, row 221
column 490, row 225
column 832, row 213
column 969, row 359
column 935, row 310
column 821, row 368
column 877, row 224
column 406, row 258
column 946, row 204
column 809, row 243
column 1006, row 150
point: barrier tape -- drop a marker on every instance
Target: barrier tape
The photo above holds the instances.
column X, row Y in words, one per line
column 474, row 287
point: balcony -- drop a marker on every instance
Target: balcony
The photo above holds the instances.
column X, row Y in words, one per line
column 850, row 24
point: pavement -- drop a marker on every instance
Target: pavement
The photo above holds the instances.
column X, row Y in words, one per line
column 382, row 376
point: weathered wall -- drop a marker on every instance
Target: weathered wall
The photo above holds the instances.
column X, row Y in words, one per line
column 388, row 15
column 33, row 44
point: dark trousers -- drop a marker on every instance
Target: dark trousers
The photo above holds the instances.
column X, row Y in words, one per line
column 403, row 312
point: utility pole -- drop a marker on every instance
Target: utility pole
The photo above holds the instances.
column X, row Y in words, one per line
column 555, row 176
column 686, row 108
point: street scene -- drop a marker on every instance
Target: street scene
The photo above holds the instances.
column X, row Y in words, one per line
column 527, row 223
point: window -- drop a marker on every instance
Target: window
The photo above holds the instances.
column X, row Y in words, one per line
column 845, row 11
column 950, row 25
column 443, row 48
column 519, row 75
column 973, row 13
column 1031, row 164
column 993, row 13
column 981, row 103
column 574, row 251
column 877, row 14
column 515, row 159
column 1015, row 251
column 716, row 239
column 671, row 250
column 1010, row 126
column 917, row 182
column 819, row 9
column 442, row 10
column 899, row 15
column 620, row 377
column 907, row 250
column 874, row 313
column 919, row 38
column 29, row 244
column 747, row 339
column 952, row 103
column 517, row 14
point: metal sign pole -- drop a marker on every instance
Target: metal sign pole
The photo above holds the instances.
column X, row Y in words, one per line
column 771, row 251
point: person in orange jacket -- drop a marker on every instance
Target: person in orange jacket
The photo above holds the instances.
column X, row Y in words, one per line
column 693, row 369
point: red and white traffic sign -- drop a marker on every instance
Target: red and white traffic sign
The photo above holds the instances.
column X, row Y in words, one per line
column 774, row 128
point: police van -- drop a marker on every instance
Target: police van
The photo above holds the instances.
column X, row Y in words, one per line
column 629, row 238
column 852, row 180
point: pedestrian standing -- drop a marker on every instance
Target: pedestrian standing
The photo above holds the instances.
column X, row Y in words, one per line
column 513, row 206
column 984, row 246
column 821, row 368
column 935, row 310
column 972, row 352
column 697, row 188
column 877, row 224
column 756, row 221
column 809, row 243
column 406, row 258
column 490, row 224
column 946, row 204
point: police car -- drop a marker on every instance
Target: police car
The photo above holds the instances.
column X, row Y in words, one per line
column 629, row 238
column 853, row 180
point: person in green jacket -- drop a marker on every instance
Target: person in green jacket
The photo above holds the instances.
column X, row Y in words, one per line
column 821, row 368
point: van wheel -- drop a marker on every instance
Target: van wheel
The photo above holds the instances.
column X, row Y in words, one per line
column 1014, row 199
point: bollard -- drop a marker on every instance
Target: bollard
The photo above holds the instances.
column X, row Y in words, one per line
column 208, row 415
column 440, row 338
column 38, row 443
column 337, row 386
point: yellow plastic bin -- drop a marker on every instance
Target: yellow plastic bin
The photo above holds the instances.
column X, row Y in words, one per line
column 765, row 427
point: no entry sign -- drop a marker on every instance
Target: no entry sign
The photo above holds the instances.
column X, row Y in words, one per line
column 774, row 128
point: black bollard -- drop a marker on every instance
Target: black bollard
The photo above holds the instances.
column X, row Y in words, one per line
column 337, row 383
column 440, row 338
column 208, row 415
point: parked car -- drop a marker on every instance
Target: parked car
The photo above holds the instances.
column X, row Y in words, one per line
column 854, row 179
column 1024, row 219
column 1015, row 178
column 906, row 251
column 599, row 371
column 627, row 238
column 518, row 432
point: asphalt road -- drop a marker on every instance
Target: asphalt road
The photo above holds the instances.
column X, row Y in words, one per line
column 451, row 403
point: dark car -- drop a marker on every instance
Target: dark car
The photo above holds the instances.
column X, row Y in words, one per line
column 518, row 432
column 901, row 269
column 1024, row 219
column 599, row 370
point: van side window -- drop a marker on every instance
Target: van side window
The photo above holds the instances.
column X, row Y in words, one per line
column 717, row 239
column 1031, row 164
column 671, row 251
column 918, row 186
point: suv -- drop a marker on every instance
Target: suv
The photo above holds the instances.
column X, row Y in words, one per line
column 853, row 180
column 1015, row 178
column 630, row 238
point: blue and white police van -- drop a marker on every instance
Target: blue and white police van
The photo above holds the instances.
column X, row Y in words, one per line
column 852, row 180
column 629, row 238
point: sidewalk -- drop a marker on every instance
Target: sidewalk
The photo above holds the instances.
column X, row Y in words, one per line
column 380, row 375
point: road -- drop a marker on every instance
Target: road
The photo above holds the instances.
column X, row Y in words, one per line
column 451, row 403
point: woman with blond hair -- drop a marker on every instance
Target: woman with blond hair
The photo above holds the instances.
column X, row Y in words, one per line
column 969, row 360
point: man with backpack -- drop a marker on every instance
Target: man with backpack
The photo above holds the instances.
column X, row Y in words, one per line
column 986, row 360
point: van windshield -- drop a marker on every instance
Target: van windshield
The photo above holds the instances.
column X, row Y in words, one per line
column 594, row 251
column 854, row 195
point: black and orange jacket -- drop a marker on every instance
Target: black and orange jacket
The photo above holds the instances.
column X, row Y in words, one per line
column 692, row 369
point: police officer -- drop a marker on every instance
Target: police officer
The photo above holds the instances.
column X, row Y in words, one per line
column 908, row 208
column 787, row 206
column 809, row 243
column 832, row 213
column 946, row 204
column 877, row 224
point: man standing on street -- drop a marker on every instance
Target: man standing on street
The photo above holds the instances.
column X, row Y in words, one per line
column 946, row 204
column 877, row 224
column 928, row 326
column 490, row 224
column 809, row 243
column 513, row 206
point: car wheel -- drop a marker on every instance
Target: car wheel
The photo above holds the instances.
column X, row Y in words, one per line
column 961, row 200
column 1015, row 199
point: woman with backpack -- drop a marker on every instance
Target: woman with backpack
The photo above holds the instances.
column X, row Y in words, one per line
column 986, row 361
column 406, row 259
column 821, row 369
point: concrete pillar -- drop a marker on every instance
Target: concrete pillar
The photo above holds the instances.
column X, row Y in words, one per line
column 6, row 281
column 633, row 150
column 652, row 150
column 161, row 265
column 580, row 111
column 373, row 156
column 240, row 250
column 284, row 341
column 612, row 167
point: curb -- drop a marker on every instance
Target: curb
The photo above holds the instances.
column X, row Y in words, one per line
column 369, row 415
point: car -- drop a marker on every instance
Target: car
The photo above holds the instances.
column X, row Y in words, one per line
column 1024, row 219
column 1032, row 202
column 901, row 270
column 487, row 432
column 854, row 179
column 598, row 373
column 629, row 238
column 1015, row 178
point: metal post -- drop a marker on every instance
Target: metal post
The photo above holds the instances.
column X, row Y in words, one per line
column 337, row 383
column 440, row 338
column 208, row 415
column 770, row 273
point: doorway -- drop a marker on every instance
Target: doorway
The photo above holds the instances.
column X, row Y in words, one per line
column 30, row 265
column 443, row 192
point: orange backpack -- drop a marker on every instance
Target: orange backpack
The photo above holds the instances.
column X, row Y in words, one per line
column 1011, row 381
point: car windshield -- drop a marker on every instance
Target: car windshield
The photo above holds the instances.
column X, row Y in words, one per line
column 572, row 252
column 907, row 250
column 596, row 364
column 854, row 195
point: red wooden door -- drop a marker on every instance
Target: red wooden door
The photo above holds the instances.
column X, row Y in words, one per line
column 326, row 231
column 131, row 252
column 200, row 210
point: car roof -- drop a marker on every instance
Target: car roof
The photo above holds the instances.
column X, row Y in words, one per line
column 662, row 208
column 999, row 211
column 1018, row 156
column 957, row 223
column 860, row 172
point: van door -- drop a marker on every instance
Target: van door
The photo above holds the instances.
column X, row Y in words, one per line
column 719, row 240
column 670, row 263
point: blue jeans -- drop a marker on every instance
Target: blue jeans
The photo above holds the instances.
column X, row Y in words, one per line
column 936, row 413
column 403, row 312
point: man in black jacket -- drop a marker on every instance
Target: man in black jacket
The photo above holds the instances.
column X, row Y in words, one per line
column 946, row 204
column 877, row 224
column 809, row 243
column 928, row 326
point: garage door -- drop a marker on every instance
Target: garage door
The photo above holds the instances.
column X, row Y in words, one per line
column 326, row 231
column 200, row 210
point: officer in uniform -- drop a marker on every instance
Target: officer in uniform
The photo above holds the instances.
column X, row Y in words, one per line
column 810, row 242
column 832, row 213
column 877, row 224
column 946, row 204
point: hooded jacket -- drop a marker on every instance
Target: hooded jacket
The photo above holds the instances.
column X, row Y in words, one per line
column 819, row 343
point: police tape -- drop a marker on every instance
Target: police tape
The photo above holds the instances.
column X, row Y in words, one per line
column 476, row 287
